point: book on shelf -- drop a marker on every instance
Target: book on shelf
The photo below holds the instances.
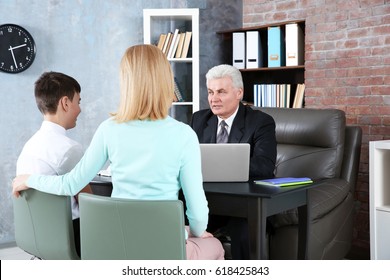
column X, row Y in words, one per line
column 239, row 50
column 180, row 44
column 299, row 94
column 167, row 42
column 288, row 95
column 177, row 91
column 276, row 55
column 173, row 46
column 285, row 181
column 271, row 95
column 161, row 41
column 294, row 44
column 186, row 44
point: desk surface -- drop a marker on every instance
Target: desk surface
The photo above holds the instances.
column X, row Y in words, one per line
column 234, row 188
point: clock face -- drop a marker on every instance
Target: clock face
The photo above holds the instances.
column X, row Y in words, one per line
column 17, row 48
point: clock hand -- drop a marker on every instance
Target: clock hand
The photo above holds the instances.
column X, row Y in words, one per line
column 18, row 46
column 13, row 56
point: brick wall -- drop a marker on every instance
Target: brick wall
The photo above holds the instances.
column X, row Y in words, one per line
column 347, row 62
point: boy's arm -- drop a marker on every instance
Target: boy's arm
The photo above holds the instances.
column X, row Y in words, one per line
column 86, row 189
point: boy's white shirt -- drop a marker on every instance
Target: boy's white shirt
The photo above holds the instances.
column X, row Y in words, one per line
column 50, row 152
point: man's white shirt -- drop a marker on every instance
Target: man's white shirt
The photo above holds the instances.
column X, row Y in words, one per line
column 228, row 121
column 50, row 152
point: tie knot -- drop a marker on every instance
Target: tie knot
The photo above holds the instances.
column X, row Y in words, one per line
column 223, row 124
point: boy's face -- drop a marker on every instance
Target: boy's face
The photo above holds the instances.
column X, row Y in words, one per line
column 74, row 110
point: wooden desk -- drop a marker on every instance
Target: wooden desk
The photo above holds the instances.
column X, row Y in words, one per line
column 251, row 201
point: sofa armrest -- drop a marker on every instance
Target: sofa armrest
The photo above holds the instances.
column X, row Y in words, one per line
column 351, row 158
column 322, row 200
column 327, row 196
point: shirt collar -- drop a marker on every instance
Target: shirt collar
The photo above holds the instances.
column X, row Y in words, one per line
column 229, row 120
column 51, row 126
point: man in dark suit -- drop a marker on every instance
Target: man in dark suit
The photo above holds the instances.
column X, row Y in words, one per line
column 228, row 120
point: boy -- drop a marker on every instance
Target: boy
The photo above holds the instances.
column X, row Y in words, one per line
column 49, row 151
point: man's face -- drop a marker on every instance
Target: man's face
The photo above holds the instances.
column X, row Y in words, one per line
column 223, row 97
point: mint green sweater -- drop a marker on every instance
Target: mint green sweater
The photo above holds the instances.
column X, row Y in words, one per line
column 149, row 160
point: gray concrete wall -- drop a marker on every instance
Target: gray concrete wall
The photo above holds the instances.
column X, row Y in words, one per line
column 85, row 39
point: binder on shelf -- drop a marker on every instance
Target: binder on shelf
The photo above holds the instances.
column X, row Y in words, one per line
column 294, row 45
column 239, row 50
column 276, row 55
column 186, row 45
column 254, row 52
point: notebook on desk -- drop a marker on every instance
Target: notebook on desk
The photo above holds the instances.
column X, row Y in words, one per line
column 225, row 162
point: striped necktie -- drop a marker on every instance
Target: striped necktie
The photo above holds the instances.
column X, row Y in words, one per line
column 223, row 135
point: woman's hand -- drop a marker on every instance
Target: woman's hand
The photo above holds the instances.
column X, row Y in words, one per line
column 19, row 184
column 205, row 234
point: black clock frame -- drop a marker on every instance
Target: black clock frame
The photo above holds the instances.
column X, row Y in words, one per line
column 17, row 48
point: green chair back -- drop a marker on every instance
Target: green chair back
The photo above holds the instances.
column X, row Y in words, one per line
column 118, row 229
column 44, row 226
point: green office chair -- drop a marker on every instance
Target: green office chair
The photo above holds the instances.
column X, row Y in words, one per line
column 43, row 225
column 125, row 229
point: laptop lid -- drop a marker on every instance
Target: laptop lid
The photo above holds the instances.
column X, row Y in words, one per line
column 225, row 162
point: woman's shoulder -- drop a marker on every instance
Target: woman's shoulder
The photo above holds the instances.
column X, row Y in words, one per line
column 180, row 126
column 108, row 122
column 106, row 125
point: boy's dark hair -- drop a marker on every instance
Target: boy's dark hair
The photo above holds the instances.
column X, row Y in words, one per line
column 51, row 87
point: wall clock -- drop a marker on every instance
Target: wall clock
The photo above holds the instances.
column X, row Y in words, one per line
column 17, row 48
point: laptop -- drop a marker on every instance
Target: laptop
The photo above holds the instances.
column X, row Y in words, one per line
column 225, row 162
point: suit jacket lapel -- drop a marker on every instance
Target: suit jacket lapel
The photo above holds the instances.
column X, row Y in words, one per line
column 238, row 126
column 210, row 130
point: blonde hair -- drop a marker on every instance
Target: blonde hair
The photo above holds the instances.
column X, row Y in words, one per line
column 146, row 85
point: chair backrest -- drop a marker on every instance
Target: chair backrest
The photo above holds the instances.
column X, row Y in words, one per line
column 114, row 228
column 310, row 142
column 44, row 226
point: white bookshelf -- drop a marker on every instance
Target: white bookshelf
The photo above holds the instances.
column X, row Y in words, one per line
column 379, row 165
column 186, row 70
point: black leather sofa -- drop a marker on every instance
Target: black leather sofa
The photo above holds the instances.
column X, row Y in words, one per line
column 316, row 143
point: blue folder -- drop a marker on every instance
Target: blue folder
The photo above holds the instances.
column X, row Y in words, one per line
column 276, row 53
column 285, row 181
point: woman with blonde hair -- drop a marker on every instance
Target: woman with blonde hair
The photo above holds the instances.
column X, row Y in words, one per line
column 152, row 156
